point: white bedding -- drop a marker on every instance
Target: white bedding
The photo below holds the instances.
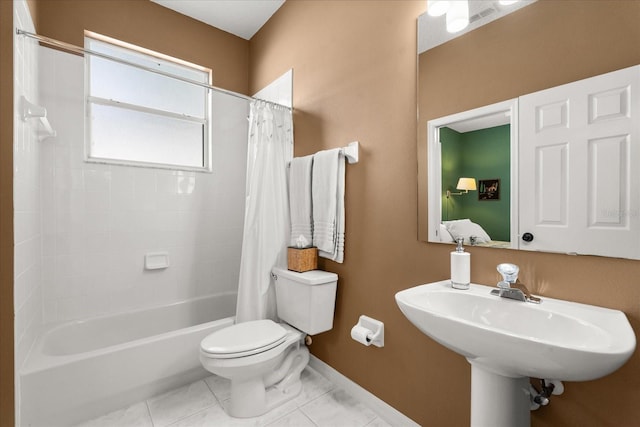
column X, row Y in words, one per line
column 465, row 228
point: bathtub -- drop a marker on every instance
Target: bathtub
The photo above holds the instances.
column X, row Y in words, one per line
column 83, row 369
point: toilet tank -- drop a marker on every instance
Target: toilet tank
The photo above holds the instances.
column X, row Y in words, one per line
column 306, row 300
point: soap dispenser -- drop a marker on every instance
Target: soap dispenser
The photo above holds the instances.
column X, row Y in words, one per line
column 460, row 267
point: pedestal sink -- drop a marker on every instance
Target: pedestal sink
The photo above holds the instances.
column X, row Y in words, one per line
column 508, row 341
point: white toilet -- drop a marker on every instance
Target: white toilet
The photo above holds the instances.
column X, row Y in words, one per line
column 264, row 359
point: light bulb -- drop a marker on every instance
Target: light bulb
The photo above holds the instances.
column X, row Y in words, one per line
column 437, row 7
column 458, row 16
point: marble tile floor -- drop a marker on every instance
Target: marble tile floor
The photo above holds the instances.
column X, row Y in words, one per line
column 200, row 404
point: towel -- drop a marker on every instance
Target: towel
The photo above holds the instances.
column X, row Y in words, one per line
column 300, row 199
column 328, row 204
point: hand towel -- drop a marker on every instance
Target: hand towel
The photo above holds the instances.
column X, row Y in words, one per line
column 300, row 199
column 338, row 250
column 328, row 204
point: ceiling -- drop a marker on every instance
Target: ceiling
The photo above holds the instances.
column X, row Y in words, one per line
column 245, row 17
column 240, row 17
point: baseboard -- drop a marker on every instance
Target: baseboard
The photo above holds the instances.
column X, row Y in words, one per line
column 383, row 409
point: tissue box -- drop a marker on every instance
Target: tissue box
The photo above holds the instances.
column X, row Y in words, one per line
column 302, row 259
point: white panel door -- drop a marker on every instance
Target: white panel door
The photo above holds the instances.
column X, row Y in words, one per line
column 579, row 167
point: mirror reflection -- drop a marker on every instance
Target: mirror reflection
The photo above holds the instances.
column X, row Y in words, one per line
column 478, row 161
column 472, row 167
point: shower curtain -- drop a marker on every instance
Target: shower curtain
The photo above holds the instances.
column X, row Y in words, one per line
column 266, row 221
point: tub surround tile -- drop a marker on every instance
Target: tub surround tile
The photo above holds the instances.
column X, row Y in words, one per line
column 180, row 403
column 93, row 208
column 134, row 416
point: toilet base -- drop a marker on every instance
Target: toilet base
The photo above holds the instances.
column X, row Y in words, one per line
column 253, row 397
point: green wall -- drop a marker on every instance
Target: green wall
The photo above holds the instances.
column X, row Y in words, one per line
column 481, row 154
column 451, row 163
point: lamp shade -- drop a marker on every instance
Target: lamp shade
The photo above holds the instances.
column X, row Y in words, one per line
column 466, row 184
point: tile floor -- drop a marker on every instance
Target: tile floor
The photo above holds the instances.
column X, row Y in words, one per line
column 201, row 404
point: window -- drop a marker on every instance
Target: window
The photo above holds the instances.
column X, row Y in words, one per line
column 139, row 117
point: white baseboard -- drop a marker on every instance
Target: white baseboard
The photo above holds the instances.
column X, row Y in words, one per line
column 383, row 409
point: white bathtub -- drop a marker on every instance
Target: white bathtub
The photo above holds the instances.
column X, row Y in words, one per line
column 82, row 369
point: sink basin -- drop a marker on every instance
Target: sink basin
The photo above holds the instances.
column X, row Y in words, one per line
column 555, row 339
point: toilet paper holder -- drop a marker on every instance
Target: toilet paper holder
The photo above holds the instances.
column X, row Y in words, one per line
column 368, row 331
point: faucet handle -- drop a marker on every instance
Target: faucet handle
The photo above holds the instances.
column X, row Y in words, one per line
column 503, row 284
column 509, row 272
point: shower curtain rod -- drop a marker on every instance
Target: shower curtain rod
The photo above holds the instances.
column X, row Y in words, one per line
column 80, row 50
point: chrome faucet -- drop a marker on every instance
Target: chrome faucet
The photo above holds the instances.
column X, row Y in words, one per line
column 510, row 287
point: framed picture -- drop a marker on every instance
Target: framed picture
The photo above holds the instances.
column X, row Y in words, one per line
column 488, row 189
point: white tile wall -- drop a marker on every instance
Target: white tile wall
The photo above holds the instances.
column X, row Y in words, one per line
column 100, row 220
column 27, row 206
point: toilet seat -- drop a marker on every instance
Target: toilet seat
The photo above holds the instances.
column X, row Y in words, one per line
column 244, row 339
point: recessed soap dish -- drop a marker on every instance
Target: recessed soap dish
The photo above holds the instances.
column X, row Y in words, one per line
column 156, row 260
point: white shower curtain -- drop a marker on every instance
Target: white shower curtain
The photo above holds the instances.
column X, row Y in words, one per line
column 266, row 221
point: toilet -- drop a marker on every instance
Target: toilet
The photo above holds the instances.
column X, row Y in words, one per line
column 264, row 359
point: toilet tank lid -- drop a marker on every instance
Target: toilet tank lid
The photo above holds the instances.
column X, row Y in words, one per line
column 313, row 277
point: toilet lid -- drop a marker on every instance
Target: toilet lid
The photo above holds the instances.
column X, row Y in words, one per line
column 244, row 339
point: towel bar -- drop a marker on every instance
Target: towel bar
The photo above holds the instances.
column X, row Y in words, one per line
column 350, row 152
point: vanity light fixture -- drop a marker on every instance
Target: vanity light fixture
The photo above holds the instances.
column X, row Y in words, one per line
column 457, row 12
column 458, row 16
column 437, row 7
column 464, row 184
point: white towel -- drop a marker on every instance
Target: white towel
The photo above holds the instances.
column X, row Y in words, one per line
column 300, row 199
column 338, row 251
column 328, row 204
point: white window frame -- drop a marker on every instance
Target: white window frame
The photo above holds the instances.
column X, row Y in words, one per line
column 90, row 100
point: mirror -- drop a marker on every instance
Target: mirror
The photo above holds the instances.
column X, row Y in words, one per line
column 542, row 45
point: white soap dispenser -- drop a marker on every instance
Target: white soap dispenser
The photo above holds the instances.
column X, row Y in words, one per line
column 460, row 267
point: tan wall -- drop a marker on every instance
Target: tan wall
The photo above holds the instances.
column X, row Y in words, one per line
column 6, row 215
column 152, row 26
column 354, row 78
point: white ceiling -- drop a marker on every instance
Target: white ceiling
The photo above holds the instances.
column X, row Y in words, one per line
column 240, row 17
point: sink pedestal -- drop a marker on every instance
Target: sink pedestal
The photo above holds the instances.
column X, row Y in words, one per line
column 498, row 401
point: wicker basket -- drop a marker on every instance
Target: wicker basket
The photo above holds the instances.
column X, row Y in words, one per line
column 302, row 259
